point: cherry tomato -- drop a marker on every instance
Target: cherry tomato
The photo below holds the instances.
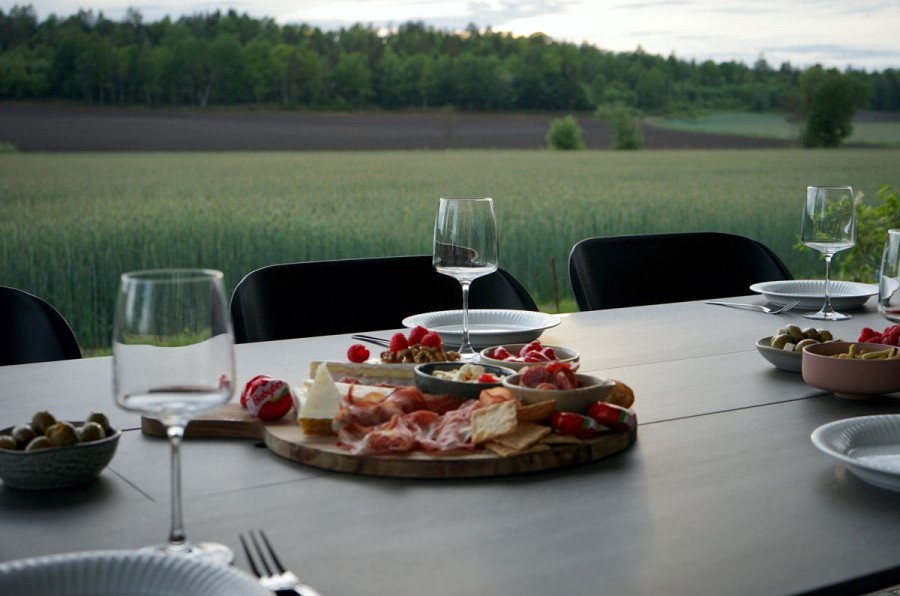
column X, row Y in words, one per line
column 612, row 416
column 488, row 378
column 575, row 425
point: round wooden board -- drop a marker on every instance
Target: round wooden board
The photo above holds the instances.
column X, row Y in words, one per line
column 286, row 439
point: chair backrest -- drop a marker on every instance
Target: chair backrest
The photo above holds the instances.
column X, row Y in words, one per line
column 620, row 271
column 33, row 331
column 355, row 295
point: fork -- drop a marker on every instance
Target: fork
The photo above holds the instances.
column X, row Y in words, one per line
column 765, row 309
column 378, row 341
column 272, row 576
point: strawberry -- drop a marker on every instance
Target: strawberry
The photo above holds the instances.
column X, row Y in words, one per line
column 868, row 334
column 416, row 335
column 501, row 353
column 432, row 339
column 358, row 353
column 398, row 342
column 534, row 346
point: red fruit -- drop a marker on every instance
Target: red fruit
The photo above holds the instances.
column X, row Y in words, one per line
column 549, row 352
column 432, row 339
column 398, row 342
column 416, row 335
column 358, row 353
column 501, row 353
column 535, row 356
column 534, row 346
column 488, row 378
column 867, row 334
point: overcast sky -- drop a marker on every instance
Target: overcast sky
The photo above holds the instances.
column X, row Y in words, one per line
column 864, row 34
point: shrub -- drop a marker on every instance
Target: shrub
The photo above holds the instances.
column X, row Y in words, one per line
column 861, row 263
column 6, row 147
column 565, row 134
column 625, row 122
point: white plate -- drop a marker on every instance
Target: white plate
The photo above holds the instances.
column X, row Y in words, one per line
column 869, row 445
column 131, row 573
column 811, row 293
column 487, row 327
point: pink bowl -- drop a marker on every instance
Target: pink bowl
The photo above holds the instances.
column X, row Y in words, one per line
column 850, row 378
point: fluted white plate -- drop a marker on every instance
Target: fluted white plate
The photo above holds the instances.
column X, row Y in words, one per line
column 124, row 573
column 487, row 326
column 869, row 445
column 811, row 293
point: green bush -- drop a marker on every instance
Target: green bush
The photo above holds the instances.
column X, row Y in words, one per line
column 565, row 134
column 625, row 122
column 6, row 147
column 861, row 263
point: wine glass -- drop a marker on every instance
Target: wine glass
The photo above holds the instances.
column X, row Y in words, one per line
column 829, row 226
column 465, row 247
column 173, row 358
column 889, row 278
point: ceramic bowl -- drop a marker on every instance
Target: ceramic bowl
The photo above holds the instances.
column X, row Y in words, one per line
column 57, row 467
column 562, row 355
column 788, row 360
column 854, row 378
column 590, row 390
column 426, row 382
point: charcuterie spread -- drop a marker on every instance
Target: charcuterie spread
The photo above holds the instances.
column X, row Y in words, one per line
column 370, row 417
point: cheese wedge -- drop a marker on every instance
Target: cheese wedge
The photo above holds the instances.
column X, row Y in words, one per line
column 320, row 405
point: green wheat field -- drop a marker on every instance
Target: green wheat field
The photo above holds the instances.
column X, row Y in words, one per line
column 71, row 223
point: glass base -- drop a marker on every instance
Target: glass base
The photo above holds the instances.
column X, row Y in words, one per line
column 208, row 551
column 827, row 316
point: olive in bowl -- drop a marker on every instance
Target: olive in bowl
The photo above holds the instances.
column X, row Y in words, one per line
column 464, row 380
column 852, row 370
column 63, row 454
column 512, row 356
column 588, row 389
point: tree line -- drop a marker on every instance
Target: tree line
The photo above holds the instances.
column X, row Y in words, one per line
column 226, row 58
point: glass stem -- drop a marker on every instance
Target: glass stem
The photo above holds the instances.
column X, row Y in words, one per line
column 827, row 308
column 177, row 539
column 466, row 348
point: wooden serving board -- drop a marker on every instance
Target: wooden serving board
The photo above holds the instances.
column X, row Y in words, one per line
column 285, row 438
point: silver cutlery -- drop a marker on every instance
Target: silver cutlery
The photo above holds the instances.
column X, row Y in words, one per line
column 759, row 307
column 378, row 341
column 268, row 568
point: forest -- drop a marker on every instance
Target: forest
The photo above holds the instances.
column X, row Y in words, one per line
column 226, row 59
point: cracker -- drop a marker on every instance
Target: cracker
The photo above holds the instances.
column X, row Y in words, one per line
column 538, row 412
column 493, row 421
column 558, row 439
column 524, row 436
column 504, row 451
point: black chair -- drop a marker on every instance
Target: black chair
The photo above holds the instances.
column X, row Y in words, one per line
column 33, row 331
column 354, row 295
column 620, row 271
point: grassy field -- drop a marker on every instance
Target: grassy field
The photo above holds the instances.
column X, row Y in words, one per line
column 70, row 223
column 777, row 126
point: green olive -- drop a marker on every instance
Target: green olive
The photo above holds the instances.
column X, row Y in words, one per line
column 779, row 341
column 101, row 419
column 91, row 431
column 7, row 442
column 23, row 434
column 795, row 332
column 41, row 442
column 62, row 434
column 812, row 333
column 41, row 421
column 803, row 343
column 825, row 335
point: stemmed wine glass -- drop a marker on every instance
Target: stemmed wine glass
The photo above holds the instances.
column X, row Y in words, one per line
column 173, row 358
column 829, row 226
column 465, row 247
column 889, row 278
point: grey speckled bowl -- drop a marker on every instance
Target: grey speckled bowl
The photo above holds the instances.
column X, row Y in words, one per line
column 57, row 467
column 426, row 382
column 788, row 360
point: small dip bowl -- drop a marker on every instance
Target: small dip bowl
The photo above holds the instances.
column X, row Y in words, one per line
column 57, row 467
column 562, row 355
column 427, row 382
column 788, row 360
column 578, row 400
column 852, row 378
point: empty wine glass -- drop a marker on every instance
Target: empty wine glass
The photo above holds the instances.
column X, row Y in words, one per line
column 173, row 358
column 465, row 247
column 889, row 278
column 828, row 226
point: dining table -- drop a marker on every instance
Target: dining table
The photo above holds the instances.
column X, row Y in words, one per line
column 723, row 492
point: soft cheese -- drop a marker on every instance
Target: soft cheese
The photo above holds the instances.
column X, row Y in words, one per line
column 320, row 404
